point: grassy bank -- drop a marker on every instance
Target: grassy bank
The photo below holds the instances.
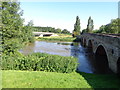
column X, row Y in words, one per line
column 40, row 79
column 61, row 37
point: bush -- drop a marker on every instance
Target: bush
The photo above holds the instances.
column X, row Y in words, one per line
column 39, row 62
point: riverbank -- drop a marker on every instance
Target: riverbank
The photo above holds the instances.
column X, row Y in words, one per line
column 60, row 37
column 40, row 79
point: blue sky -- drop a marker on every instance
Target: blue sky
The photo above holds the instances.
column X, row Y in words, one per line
column 63, row 14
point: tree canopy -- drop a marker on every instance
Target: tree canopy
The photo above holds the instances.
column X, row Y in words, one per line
column 13, row 30
column 112, row 27
column 76, row 30
column 90, row 25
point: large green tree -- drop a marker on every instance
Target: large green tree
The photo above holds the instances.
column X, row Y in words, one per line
column 112, row 27
column 13, row 32
column 90, row 25
column 12, row 25
column 76, row 30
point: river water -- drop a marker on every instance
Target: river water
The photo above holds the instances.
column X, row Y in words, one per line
column 85, row 56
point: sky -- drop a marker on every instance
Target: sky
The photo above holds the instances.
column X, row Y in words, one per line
column 63, row 14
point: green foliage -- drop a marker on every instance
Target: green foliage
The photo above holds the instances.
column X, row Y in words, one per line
column 27, row 33
column 112, row 28
column 65, row 31
column 84, row 31
column 50, row 29
column 39, row 62
column 90, row 25
column 14, row 34
column 56, row 38
column 11, row 25
column 76, row 30
column 43, row 29
column 58, row 30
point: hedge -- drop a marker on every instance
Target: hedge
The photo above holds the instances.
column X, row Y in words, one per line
column 39, row 62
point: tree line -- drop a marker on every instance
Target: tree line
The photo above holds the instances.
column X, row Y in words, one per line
column 50, row 29
column 111, row 28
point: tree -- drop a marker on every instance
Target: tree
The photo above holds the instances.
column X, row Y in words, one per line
column 76, row 30
column 83, row 31
column 90, row 25
column 119, row 24
column 65, row 31
column 58, row 30
column 12, row 25
column 27, row 33
column 112, row 27
column 14, row 33
column 102, row 29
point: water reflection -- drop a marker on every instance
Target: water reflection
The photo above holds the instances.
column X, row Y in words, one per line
column 47, row 47
column 83, row 57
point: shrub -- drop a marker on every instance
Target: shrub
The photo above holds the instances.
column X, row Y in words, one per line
column 39, row 62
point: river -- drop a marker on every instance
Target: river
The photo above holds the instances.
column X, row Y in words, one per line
column 84, row 55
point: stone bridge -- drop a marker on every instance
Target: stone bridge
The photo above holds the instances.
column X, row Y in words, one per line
column 106, row 48
column 42, row 34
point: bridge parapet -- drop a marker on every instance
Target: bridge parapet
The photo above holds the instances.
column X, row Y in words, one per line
column 113, row 39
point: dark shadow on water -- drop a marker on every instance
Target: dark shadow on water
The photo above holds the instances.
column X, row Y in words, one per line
column 101, row 77
column 87, row 61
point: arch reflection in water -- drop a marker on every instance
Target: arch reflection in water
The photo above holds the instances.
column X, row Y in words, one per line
column 83, row 57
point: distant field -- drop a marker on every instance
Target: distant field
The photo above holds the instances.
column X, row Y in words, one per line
column 61, row 37
column 40, row 79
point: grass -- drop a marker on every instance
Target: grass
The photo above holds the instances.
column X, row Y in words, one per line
column 61, row 37
column 102, row 80
column 40, row 79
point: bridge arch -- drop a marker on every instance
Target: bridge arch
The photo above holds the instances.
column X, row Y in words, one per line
column 118, row 66
column 90, row 45
column 81, row 41
column 101, row 59
column 84, row 42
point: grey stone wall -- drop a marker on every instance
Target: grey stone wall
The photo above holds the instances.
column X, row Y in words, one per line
column 111, row 44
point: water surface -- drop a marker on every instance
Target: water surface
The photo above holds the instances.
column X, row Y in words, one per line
column 63, row 49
